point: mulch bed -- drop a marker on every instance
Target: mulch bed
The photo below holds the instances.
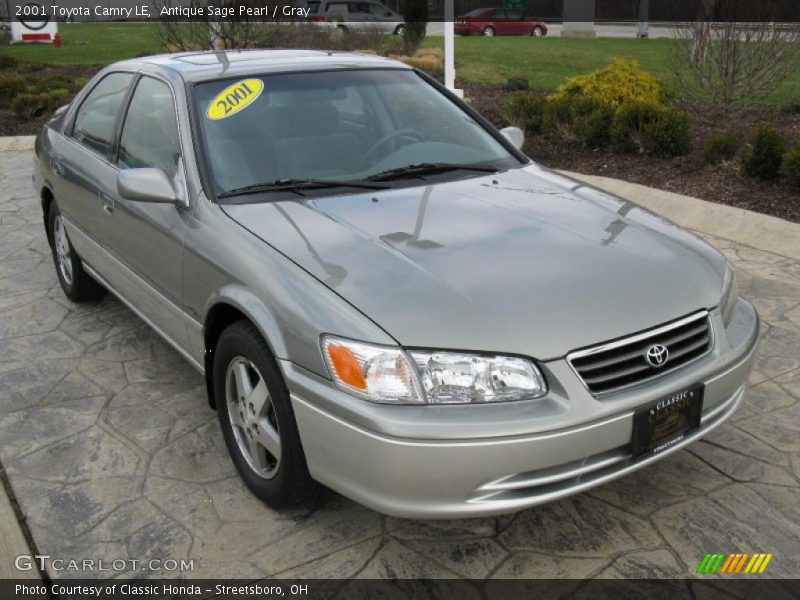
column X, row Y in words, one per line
column 683, row 175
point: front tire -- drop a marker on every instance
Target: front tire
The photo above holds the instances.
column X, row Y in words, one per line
column 488, row 31
column 537, row 32
column 76, row 283
column 399, row 29
column 257, row 420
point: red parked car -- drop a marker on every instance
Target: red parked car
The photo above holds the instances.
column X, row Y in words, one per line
column 499, row 21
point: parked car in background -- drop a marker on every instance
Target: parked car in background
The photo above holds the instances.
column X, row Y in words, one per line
column 363, row 15
column 499, row 21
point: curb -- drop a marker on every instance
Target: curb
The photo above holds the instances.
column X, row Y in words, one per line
column 16, row 143
column 762, row 232
column 753, row 229
column 12, row 542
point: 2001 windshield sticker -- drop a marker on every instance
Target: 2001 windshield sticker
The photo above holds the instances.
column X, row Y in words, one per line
column 234, row 99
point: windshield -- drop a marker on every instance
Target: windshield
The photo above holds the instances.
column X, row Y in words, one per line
column 336, row 126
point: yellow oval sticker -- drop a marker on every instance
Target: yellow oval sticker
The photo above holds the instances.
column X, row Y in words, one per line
column 234, row 98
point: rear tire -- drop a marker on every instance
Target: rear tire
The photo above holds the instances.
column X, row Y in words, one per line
column 257, row 420
column 399, row 29
column 76, row 283
column 488, row 31
column 537, row 32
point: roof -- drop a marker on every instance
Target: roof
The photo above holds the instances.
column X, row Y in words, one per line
column 200, row 66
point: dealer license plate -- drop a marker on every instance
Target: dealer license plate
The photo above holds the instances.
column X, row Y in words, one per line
column 666, row 422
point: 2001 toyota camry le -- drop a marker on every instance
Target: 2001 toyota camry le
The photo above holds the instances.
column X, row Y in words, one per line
column 385, row 295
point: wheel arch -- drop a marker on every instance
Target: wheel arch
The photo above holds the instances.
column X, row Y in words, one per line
column 232, row 305
column 47, row 199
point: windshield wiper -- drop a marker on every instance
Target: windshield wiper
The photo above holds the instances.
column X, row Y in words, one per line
column 427, row 169
column 291, row 185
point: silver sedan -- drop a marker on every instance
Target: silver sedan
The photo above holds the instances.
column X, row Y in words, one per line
column 384, row 294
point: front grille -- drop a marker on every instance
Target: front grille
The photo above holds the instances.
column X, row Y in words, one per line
column 622, row 363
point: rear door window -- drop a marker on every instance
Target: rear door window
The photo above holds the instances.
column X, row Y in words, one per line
column 96, row 121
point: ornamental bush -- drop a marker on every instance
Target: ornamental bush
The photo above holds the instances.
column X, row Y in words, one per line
column 669, row 134
column 628, row 131
column 525, row 110
column 578, row 118
column 764, row 156
column 618, row 83
column 32, row 106
column 10, row 87
column 719, row 148
column 791, row 165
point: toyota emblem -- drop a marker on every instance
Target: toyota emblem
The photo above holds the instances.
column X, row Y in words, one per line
column 656, row 355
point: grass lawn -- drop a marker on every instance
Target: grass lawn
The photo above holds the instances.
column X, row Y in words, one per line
column 545, row 62
column 91, row 44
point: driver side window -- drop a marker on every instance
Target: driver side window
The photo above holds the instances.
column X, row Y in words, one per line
column 150, row 133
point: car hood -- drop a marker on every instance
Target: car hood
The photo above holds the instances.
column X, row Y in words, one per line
column 525, row 262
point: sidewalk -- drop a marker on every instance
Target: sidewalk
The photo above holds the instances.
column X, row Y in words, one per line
column 12, row 542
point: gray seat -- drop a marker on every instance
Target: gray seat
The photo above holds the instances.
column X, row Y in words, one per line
column 318, row 149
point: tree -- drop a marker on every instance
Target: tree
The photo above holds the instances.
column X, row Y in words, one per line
column 182, row 27
column 734, row 51
column 415, row 16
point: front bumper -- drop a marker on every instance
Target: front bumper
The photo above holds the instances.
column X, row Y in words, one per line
column 477, row 460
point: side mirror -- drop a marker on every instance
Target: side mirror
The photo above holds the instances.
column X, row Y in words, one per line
column 146, row 185
column 514, row 135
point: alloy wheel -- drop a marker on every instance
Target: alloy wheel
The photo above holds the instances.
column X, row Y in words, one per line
column 63, row 252
column 252, row 417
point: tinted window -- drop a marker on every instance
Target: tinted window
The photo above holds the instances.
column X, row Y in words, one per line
column 513, row 14
column 476, row 12
column 314, row 6
column 358, row 8
column 337, row 8
column 150, row 133
column 499, row 14
column 97, row 117
column 343, row 125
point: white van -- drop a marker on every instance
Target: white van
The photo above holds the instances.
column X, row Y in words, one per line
column 358, row 15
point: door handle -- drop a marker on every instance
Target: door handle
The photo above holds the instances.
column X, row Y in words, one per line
column 57, row 168
column 108, row 203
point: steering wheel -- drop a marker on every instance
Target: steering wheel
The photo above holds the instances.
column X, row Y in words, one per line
column 398, row 133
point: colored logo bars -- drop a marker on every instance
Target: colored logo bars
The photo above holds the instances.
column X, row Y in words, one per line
column 738, row 562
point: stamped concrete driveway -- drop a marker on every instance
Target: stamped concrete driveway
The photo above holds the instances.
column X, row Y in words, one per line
column 112, row 452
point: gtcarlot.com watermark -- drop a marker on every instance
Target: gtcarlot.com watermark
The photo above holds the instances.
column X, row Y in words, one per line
column 28, row 562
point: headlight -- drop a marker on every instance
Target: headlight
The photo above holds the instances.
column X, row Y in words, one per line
column 392, row 376
column 376, row 373
column 730, row 294
column 451, row 378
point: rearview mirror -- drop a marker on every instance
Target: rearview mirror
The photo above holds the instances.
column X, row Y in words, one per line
column 514, row 135
column 146, row 185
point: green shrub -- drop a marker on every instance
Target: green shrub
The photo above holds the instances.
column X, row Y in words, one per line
column 764, row 157
column 648, row 127
column 719, row 148
column 628, row 131
column 585, row 120
column 669, row 134
column 32, row 106
column 7, row 61
column 791, row 164
column 525, row 110
column 10, row 87
column 591, row 122
column 515, row 84
column 617, row 83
